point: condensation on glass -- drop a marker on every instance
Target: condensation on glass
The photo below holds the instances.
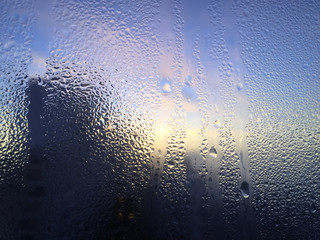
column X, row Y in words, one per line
column 159, row 119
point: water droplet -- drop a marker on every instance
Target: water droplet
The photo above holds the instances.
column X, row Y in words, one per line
column 9, row 45
column 217, row 124
column 188, row 80
column 170, row 164
column 239, row 86
column 244, row 189
column 216, row 109
column 313, row 208
column 213, row 152
column 189, row 93
column 165, row 86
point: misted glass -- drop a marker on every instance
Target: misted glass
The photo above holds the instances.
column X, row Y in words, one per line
column 159, row 119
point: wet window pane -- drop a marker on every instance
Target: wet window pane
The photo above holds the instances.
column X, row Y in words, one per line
column 159, row 119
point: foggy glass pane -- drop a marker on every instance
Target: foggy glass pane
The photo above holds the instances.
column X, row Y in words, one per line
column 159, row 119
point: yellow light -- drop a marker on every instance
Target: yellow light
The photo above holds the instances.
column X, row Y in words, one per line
column 161, row 135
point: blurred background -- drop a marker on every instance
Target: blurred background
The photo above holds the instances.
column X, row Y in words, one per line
column 159, row 119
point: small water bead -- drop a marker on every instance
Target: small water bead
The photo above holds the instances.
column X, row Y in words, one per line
column 217, row 124
column 188, row 80
column 313, row 208
column 171, row 164
column 239, row 86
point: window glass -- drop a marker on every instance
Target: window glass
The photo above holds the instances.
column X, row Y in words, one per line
column 159, row 119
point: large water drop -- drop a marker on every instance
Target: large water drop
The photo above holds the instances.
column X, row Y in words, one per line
column 213, row 152
column 165, row 86
column 244, row 189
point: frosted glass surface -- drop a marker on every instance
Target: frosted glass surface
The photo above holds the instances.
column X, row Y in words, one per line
column 159, row 119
